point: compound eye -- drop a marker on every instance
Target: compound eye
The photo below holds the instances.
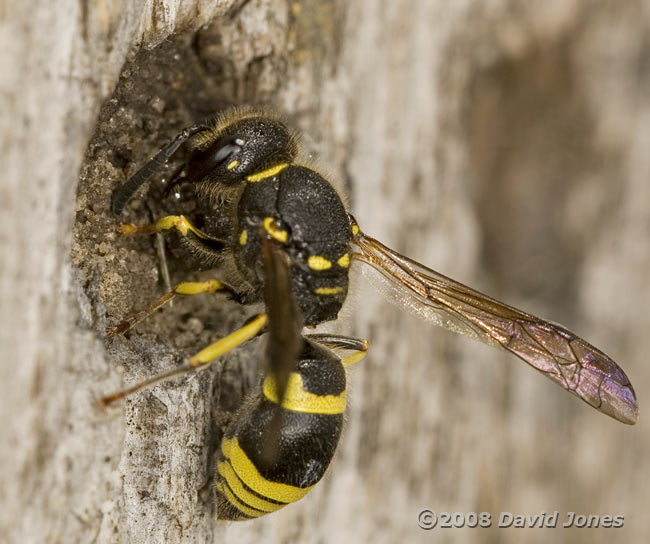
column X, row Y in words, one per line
column 231, row 147
column 219, row 155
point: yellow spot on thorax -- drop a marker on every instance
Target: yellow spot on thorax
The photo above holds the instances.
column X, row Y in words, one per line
column 317, row 262
column 232, row 165
column 243, row 237
column 297, row 399
column 268, row 173
column 273, row 231
column 248, row 474
column 328, row 290
column 355, row 229
column 344, row 260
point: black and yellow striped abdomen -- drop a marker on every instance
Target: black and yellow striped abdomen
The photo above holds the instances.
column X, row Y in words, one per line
column 250, row 485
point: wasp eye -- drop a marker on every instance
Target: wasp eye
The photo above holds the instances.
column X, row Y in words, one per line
column 216, row 156
column 228, row 150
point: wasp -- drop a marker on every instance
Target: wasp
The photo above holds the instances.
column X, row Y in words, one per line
column 290, row 242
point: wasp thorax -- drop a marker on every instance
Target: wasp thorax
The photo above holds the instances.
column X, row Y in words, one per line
column 245, row 147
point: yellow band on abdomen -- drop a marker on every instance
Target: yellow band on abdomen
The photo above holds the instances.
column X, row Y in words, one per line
column 230, row 497
column 297, row 399
column 226, row 471
column 248, row 474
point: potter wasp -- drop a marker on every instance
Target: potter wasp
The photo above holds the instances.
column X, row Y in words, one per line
column 290, row 242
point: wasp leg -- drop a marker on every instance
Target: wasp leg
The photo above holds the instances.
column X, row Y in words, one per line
column 250, row 329
column 184, row 288
column 337, row 342
column 199, row 361
column 179, row 222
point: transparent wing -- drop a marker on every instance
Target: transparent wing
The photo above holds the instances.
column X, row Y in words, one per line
column 555, row 351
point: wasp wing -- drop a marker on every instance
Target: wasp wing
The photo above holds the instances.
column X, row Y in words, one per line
column 284, row 338
column 555, row 351
column 285, row 320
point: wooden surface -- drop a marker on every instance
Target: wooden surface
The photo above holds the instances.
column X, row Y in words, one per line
column 505, row 144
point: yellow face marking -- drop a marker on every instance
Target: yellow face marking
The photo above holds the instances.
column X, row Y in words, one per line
column 248, row 474
column 243, row 237
column 328, row 290
column 223, row 489
column 229, row 342
column 297, row 399
column 316, row 262
column 273, row 231
column 232, row 165
column 355, row 229
column 268, row 173
column 196, row 287
column 344, row 260
column 238, row 489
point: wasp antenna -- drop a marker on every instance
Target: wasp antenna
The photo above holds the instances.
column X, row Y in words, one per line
column 124, row 193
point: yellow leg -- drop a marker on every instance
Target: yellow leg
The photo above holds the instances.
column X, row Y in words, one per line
column 199, row 361
column 355, row 357
column 206, row 355
column 179, row 222
column 338, row 343
column 184, row 288
column 197, row 287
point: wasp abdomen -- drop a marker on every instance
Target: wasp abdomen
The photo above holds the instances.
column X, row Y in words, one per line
column 249, row 484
